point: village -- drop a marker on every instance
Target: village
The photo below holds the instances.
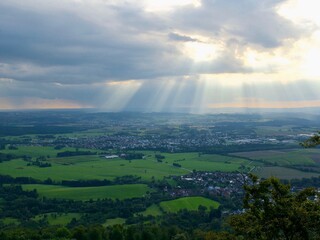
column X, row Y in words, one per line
column 220, row 184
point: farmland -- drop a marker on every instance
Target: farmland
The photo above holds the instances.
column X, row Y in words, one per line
column 130, row 168
column 38, row 151
column 87, row 193
column 284, row 157
column 95, row 167
column 189, row 203
column 153, row 210
column 283, row 173
column 57, row 218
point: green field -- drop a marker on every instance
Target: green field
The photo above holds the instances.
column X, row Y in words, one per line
column 90, row 167
column 205, row 162
column 87, row 193
column 37, row 151
column 10, row 221
column 95, row 167
column 283, row 173
column 153, row 210
column 114, row 221
column 189, row 203
column 306, row 157
column 275, row 131
column 58, row 219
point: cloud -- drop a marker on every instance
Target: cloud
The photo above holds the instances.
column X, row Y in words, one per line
column 71, row 45
column 182, row 38
column 97, row 42
column 253, row 22
column 71, row 50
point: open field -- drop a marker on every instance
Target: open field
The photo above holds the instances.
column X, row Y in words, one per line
column 288, row 157
column 153, row 210
column 86, row 193
column 189, row 203
column 95, row 167
column 114, row 221
column 58, row 219
column 10, row 221
column 283, row 173
column 206, row 162
column 275, row 130
column 37, row 151
column 91, row 167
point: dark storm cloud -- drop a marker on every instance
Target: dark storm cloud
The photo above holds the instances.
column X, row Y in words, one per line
column 71, row 48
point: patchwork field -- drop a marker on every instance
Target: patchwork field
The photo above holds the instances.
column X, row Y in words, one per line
column 86, row 193
column 95, row 167
column 189, row 203
column 205, row 162
column 37, row 151
column 283, row 173
column 275, row 130
column 306, row 157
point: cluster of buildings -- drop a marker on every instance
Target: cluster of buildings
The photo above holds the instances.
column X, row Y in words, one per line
column 212, row 183
column 159, row 142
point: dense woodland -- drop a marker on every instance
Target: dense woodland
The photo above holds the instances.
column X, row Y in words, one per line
column 271, row 211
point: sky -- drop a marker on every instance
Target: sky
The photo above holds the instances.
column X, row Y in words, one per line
column 196, row 56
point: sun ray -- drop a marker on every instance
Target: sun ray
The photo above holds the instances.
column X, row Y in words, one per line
column 118, row 94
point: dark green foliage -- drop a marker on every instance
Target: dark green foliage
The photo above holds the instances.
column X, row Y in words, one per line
column 39, row 164
column 176, row 165
column 6, row 157
column 159, row 156
column 312, row 141
column 132, row 156
column 75, row 153
column 59, row 147
column 272, row 211
column 11, row 147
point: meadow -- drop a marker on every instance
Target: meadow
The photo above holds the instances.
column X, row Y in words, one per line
column 95, row 167
column 38, row 151
column 283, row 173
column 306, row 157
column 114, row 221
column 61, row 219
column 86, row 193
column 9, row 221
column 153, row 210
column 189, row 203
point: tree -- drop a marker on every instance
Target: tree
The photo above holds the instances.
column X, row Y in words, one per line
column 312, row 141
column 272, row 211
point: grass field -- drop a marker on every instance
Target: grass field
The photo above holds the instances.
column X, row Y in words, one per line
column 283, row 173
column 206, row 162
column 37, row 151
column 94, row 167
column 10, row 221
column 288, row 157
column 153, row 210
column 275, row 131
column 87, row 193
column 90, row 167
column 58, row 219
column 114, row 221
column 189, row 203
